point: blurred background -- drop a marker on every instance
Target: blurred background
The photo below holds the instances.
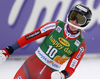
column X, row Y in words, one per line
column 19, row 17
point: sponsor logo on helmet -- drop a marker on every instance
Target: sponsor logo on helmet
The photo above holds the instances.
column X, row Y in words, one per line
column 82, row 8
column 64, row 42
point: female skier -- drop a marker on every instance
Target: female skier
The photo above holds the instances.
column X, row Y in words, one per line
column 64, row 41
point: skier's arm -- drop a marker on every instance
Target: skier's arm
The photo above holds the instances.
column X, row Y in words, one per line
column 74, row 60
column 42, row 31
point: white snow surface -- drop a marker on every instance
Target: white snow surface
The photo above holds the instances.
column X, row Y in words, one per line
column 89, row 68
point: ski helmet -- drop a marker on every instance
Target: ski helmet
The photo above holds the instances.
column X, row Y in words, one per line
column 82, row 14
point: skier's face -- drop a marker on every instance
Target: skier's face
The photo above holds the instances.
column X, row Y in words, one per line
column 75, row 23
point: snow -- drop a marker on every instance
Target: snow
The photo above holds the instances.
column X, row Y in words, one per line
column 88, row 69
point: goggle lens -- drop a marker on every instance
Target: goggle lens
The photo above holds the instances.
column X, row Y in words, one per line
column 78, row 17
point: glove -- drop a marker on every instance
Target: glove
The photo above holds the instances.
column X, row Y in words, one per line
column 57, row 75
column 3, row 55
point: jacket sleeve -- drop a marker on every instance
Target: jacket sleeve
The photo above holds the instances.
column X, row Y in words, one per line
column 36, row 34
column 42, row 31
column 75, row 59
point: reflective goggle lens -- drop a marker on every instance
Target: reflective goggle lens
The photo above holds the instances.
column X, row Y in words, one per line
column 78, row 17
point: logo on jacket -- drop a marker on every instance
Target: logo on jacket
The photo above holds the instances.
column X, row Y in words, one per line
column 58, row 29
column 32, row 35
column 77, row 43
column 64, row 42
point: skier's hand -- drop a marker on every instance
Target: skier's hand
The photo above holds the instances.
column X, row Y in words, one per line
column 57, row 75
column 3, row 55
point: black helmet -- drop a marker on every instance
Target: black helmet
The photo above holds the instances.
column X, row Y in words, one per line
column 82, row 14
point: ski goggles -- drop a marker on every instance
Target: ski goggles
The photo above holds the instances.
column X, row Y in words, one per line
column 81, row 20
